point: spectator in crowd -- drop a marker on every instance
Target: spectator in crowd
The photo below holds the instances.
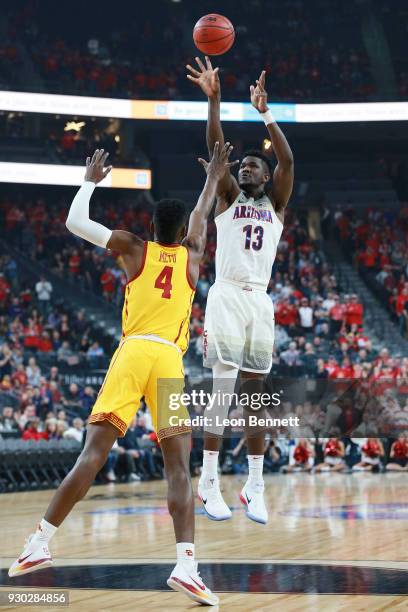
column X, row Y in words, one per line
column 72, row 399
column 76, row 431
column 333, row 457
column 305, row 313
column 43, row 289
column 87, row 396
column 273, row 459
column 399, row 455
column 8, row 422
column 337, row 317
column 372, row 452
column 32, row 432
column 95, row 355
column 302, row 459
column 5, row 361
column 143, row 459
column 67, row 355
column 33, row 372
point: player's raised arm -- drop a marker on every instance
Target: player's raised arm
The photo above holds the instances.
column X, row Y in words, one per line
column 208, row 79
column 284, row 173
column 78, row 221
column 196, row 237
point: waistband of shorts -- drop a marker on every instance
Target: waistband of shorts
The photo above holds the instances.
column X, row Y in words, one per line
column 242, row 285
column 152, row 338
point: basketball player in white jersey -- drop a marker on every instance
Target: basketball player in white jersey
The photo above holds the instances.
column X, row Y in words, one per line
column 239, row 319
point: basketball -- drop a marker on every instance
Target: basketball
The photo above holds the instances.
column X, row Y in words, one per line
column 213, row 34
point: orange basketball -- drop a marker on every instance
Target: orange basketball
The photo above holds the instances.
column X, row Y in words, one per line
column 213, row 34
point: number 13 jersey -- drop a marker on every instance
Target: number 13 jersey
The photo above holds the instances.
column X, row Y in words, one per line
column 248, row 234
column 158, row 299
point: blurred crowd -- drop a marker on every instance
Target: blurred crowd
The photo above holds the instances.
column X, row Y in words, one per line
column 378, row 242
column 320, row 332
column 310, row 52
column 317, row 455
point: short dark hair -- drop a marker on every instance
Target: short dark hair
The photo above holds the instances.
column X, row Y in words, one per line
column 169, row 216
column 260, row 155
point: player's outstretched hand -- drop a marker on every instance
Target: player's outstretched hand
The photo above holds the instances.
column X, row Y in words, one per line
column 95, row 171
column 259, row 97
column 206, row 77
column 219, row 161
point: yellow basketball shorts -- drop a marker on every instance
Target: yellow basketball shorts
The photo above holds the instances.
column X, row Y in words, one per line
column 143, row 368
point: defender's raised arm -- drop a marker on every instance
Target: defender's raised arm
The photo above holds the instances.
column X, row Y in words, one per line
column 78, row 221
column 215, row 169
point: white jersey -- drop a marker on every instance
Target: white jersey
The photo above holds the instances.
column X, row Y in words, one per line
column 248, row 234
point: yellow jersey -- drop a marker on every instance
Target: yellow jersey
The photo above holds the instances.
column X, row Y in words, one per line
column 158, row 299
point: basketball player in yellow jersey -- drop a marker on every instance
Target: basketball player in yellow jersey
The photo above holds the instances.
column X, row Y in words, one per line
column 162, row 276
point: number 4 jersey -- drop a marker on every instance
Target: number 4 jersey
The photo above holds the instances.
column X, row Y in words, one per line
column 239, row 318
column 158, row 299
column 248, row 234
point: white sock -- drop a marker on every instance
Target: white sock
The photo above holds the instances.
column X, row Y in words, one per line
column 185, row 553
column 255, row 468
column 210, row 465
column 44, row 532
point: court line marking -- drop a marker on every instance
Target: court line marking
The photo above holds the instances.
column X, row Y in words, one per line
column 68, row 562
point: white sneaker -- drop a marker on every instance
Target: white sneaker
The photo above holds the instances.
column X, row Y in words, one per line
column 34, row 557
column 252, row 496
column 189, row 582
column 213, row 503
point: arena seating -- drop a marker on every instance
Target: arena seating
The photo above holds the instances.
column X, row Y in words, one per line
column 380, row 256
column 308, row 65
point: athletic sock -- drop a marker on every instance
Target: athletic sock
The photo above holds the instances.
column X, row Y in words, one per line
column 185, row 554
column 210, row 465
column 44, row 533
column 255, row 469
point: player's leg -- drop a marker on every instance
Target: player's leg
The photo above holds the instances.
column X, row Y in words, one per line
column 112, row 412
column 180, row 500
column 322, row 467
column 224, row 378
column 252, row 494
column 99, row 441
column 361, row 466
column 256, row 364
column 166, row 382
column 223, row 345
column 395, row 467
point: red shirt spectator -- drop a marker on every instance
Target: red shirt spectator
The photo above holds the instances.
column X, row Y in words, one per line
column 68, row 141
column 74, row 263
column 32, row 433
column 108, row 283
column 332, row 367
column 369, row 258
column 286, row 314
column 333, row 448
column 44, row 343
column 401, row 300
column 354, row 312
column 4, row 288
column 338, row 311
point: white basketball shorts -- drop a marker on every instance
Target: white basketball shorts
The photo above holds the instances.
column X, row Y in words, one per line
column 239, row 328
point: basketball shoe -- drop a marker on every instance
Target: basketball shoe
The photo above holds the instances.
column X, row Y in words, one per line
column 213, row 503
column 189, row 582
column 35, row 556
column 252, row 496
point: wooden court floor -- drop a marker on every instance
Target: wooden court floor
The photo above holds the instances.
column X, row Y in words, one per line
column 333, row 542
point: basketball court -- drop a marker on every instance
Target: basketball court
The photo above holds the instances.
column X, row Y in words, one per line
column 333, row 542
